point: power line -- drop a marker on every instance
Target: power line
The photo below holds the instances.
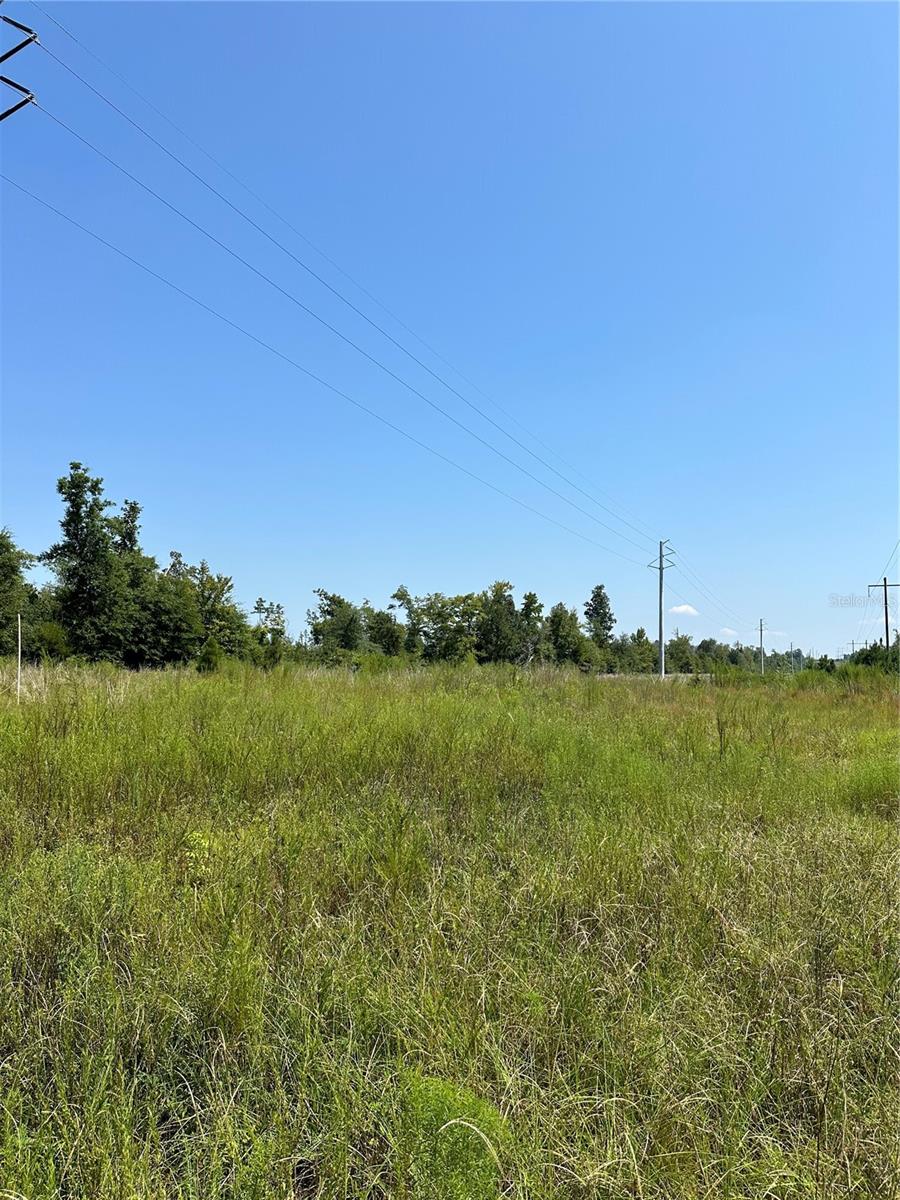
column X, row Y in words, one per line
column 708, row 593
column 333, row 329
column 235, row 208
column 643, row 532
column 863, row 620
column 695, row 581
column 305, row 370
column 353, row 307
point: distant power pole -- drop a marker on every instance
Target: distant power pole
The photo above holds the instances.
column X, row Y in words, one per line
column 19, row 660
column 792, row 658
column 887, row 629
column 762, row 653
column 660, row 566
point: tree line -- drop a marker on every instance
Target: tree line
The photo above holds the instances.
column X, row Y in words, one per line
column 107, row 600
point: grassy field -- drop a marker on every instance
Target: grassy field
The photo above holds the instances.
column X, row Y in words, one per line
column 450, row 934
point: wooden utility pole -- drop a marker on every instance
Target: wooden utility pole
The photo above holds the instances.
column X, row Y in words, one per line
column 19, row 660
column 762, row 654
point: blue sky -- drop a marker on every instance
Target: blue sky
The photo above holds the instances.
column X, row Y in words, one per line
column 663, row 237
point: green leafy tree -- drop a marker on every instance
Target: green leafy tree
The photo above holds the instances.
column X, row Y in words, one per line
column 220, row 617
column 171, row 629
column 498, row 627
column 567, row 642
column 270, row 632
column 47, row 640
column 165, row 625
column 125, row 528
column 383, row 630
column 875, row 655
column 643, row 651
column 16, row 594
column 413, row 643
column 599, row 617
column 94, row 600
column 335, row 623
column 680, row 656
column 446, row 625
column 530, row 626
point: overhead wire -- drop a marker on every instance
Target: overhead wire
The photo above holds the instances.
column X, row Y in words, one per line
column 864, row 619
column 333, row 328
column 690, row 574
column 336, row 266
column 349, row 303
column 305, row 370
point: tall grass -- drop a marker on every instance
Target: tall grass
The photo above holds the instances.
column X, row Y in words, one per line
column 451, row 933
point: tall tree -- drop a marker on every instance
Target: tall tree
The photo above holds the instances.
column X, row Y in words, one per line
column 383, row 630
column 413, row 642
column 498, row 628
column 530, row 625
column 564, row 634
column 643, row 651
column 443, row 626
column 220, row 616
column 599, row 617
column 335, row 623
column 270, row 632
column 95, row 606
column 680, row 655
column 125, row 528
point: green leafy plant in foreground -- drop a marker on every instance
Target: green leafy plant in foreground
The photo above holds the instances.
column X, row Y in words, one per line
column 455, row 1140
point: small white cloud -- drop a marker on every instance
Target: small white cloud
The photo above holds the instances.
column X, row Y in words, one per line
column 728, row 632
column 684, row 610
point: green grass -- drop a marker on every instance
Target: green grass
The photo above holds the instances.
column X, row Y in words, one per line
column 460, row 933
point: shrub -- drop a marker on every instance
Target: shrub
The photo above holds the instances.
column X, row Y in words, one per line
column 455, row 1140
column 210, row 657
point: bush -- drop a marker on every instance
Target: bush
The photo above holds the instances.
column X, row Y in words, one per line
column 48, row 640
column 210, row 657
column 455, row 1140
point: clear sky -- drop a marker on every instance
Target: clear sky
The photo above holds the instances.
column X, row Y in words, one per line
column 663, row 237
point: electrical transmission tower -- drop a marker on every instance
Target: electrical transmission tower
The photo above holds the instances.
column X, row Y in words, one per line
column 25, row 96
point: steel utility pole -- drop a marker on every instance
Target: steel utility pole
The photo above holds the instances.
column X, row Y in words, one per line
column 662, row 640
column 762, row 653
column 660, row 566
column 27, row 97
column 887, row 629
